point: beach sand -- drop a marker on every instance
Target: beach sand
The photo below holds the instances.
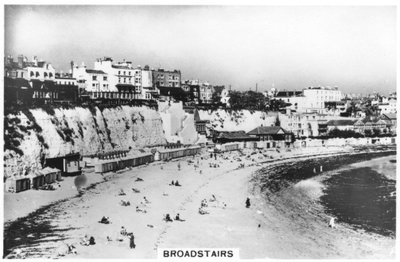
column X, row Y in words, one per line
column 286, row 230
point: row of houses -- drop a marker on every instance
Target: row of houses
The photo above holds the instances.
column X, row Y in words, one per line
column 384, row 124
column 38, row 81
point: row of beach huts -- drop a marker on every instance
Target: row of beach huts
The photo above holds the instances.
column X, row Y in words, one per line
column 36, row 180
column 71, row 165
column 121, row 161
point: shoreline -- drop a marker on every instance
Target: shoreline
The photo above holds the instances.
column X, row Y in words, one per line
column 199, row 230
column 310, row 235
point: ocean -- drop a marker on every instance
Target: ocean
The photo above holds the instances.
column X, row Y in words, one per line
column 359, row 190
column 363, row 198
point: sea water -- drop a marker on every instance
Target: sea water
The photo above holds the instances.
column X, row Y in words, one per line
column 363, row 198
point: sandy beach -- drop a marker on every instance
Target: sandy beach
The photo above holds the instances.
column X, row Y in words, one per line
column 278, row 227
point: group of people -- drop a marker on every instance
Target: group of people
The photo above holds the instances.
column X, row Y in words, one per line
column 175, row 183
column 125, row 203
column 130, row 235
column 214, row 165
column 202, row 208
column 87, row 241
column 167, row 218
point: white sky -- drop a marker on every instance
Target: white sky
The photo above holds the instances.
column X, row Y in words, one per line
column 353, row 48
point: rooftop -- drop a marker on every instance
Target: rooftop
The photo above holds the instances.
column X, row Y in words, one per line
column 234, row 135
column 341, row 122
column 289, row 93
column 92, row 71
column 267, row 130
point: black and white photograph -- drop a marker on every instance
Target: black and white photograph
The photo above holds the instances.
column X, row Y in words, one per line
column 176, row 131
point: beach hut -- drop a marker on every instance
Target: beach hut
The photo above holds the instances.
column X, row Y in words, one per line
column 51, row 175
column 68, row 164
column 131, row 160
column 17, row 184
column 170, row 153
column 38, row 180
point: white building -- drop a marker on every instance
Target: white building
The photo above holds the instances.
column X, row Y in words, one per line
column 389, row 107
column 312, row 99
column 39, row 70
column 206, row 92
column 123, row 74
column 304, row 124
column 148, row 88
column 65, row 80
column 317, row 96
column 92, row 80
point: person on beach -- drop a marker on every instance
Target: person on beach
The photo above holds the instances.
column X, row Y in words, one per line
column 121, row 192
column 202, row 211
column 213, row 198
column 92, row 241
column 332, row 222
column 168, row 218
column 132, row 241
column 71, row 249
column 177, row 183
column 172, row 183
column 85, row 241
column 140, row 210
column 105, row 220
column 247, row 202
column 123, row 231
column 178, row 218
column 146, row 201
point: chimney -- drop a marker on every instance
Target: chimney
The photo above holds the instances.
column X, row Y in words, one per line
column 21, row 61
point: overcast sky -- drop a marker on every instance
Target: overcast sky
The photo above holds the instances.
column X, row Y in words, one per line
column 289, row 47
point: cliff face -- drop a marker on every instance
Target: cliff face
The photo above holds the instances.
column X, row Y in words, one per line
column 34, row 134
column 245, row 120
column 178, row 124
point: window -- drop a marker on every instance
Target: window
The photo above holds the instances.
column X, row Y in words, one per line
column 119, row 72
column 32, row 73
column 51, row 74
column 37, row 74
column 94, row 78
column 22, row 74
column 119, row 79
column 94, row 85
column 104, row 78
